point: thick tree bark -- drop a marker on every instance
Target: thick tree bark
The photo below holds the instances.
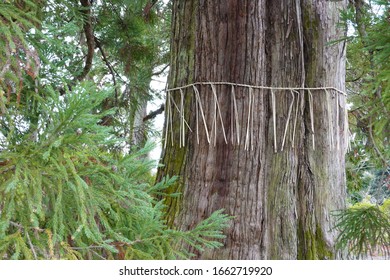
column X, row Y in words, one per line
column 280, row 190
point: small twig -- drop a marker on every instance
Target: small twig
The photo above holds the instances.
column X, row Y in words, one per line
column 22, row 227
column 158, row 73
column 31, row 245
column 86, row 248
column 27, row 236
column 96, row 254
column 109, row 66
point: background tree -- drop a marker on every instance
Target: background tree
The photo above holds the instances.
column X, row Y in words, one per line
column 368, row 88
column 115, row 43
column 365, row 225
column 281, row 200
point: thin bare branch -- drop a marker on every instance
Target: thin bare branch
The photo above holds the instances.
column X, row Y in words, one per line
column 153, row 114
column 88, row 30
column 109, row 66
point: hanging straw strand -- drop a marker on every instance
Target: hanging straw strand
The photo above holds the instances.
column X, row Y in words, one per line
column 330, row 121
column 197, row 119
column 288, row 119
column 214, row 127
column 179, row 111
column 274, row 118
column 182, row 120
column 296, row 118
column 236, row 115
column 311, row 110
column 219, row 113
column 252, row 117
column 168, row 109
column 337, row 122
column 247, row 134
column 197, row 97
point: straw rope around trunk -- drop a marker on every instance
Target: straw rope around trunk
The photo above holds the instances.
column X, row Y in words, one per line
column 217, row 123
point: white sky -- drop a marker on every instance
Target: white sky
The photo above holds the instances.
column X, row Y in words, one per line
column 158, row 83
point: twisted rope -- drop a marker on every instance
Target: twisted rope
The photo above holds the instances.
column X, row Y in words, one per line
column 257, row 87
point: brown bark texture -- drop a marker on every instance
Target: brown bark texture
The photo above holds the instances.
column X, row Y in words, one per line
column 281, row 191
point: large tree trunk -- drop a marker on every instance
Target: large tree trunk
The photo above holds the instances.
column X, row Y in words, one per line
column 281, row 190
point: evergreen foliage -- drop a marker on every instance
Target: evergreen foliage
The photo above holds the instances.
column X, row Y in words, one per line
column 70, row 187
column 17, row 56
column 66, row 195
column 364, row 230
column 364, row 227
column 368, row 87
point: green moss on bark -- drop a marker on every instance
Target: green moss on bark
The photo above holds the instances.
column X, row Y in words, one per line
column 314, row 246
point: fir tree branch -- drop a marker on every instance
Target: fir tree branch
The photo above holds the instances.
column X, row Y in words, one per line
column 87, row 248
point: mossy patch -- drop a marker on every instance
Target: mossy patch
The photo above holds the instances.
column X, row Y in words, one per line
column 313, row 245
